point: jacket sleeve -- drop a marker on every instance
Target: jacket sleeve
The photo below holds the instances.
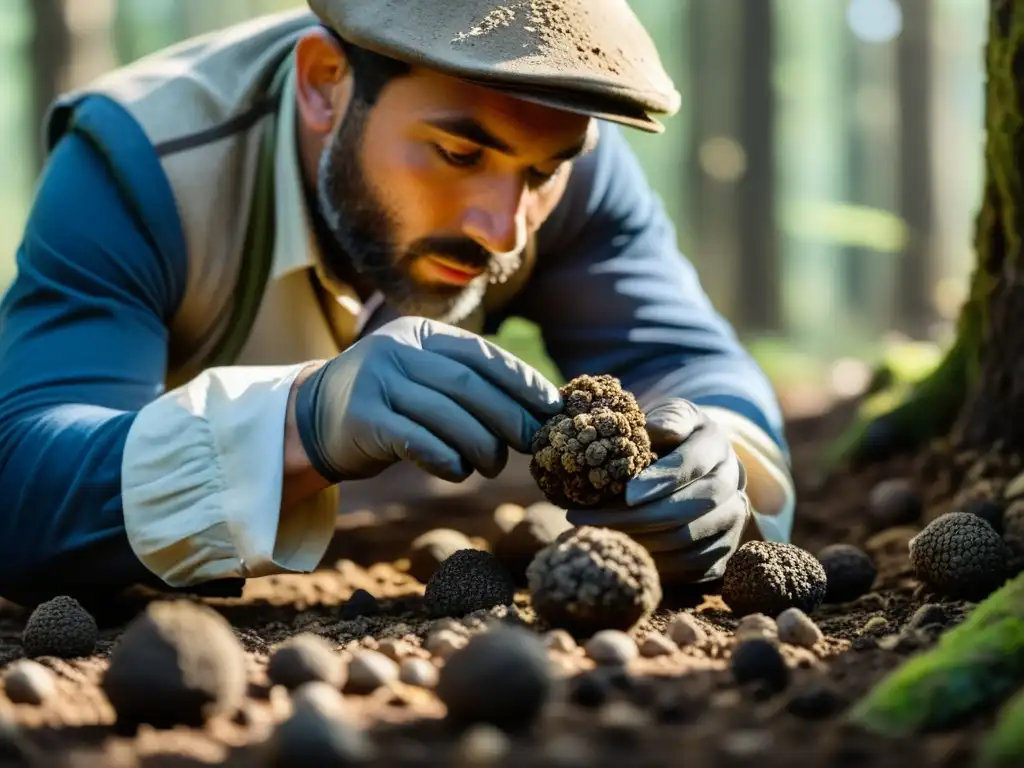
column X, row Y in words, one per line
column 109, row 481
column 613, row 294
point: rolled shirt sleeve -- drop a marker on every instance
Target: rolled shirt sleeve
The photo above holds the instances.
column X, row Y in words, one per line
column 202, row 476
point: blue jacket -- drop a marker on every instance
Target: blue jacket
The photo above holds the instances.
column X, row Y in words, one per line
column 84, row 334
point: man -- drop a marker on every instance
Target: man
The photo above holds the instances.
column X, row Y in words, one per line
column 260, row 265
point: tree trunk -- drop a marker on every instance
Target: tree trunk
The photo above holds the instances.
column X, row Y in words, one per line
column 51, row 53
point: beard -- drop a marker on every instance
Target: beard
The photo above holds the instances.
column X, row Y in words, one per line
column 364, row 229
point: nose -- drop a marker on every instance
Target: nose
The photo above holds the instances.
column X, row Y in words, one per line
column 497, row 219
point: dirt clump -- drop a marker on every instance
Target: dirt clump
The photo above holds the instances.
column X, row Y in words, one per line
column 769, row 577
column 584, row 456
column 960, row 555
column 590, row 579
column 470, row 580
column 60, row 627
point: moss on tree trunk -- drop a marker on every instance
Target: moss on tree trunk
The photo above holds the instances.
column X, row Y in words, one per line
column 976, row 395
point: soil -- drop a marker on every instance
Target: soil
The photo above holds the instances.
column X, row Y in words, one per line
column 688, row 710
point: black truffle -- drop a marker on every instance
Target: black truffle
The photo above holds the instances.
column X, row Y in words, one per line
column 758, row 660
column 179, row 663
column 542, row 523
column 584, row 456
column 306, row 658
column 502, row 677
column 850, row 572
column 989, row 510
column 893, row 502
column 60, row 627
column 470, row 580
column 591, row 579
column 960, row 555
column 768, row 577
column 430, row 549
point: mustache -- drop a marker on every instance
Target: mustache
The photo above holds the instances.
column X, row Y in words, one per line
column 458, row 249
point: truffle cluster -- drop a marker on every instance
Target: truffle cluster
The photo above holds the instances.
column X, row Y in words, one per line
column 769, row 577
column 584, row 456
column 590, row 579
column 60, row 627
column 960, row 555
column 470, row 580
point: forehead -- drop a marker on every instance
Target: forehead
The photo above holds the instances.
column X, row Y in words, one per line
column 425, row 95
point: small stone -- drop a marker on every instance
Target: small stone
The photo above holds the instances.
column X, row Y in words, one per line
column 419, row 673
column 757, row 625
column 303, row 659
column 541, row 525
column 28, row 682
column 483, row 744
column 874, row 625
column 317, row 733
column 589, row 690
column 685, row 630
column 507, row 516
column 871, row 602
column 611, row 646
column 656, row 644
column 60, row 627
column 362, row 603
column 849, row 570
column 443, row 643
column 797, row 628
column 757, row 659
column 502, row 677
column 747, row 743
column 622, row 719
column 1015, row 488
column 893, row 502
column 370, row 670
column 430, row 549
column 567, row 750
column 395, row 649
column 561, row 641
column 929, row 613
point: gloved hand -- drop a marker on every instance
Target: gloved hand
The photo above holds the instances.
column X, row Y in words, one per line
column 689, row 508
column 421, row 391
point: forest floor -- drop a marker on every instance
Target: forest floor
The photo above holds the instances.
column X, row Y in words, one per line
column 686, row 708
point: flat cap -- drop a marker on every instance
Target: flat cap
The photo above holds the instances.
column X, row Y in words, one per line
column 592, row 57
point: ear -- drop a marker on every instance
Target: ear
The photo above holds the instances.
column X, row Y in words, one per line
column 322, row 84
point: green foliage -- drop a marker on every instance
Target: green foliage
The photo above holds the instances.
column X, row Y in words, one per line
column 1003, row 746
column 973, row 666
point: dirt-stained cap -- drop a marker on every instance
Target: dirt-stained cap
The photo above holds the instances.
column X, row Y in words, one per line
column 592, row 57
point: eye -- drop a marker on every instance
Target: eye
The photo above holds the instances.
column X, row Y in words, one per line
column 457, row 159
column 540, row 178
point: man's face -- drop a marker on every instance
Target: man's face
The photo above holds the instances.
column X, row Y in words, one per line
column 433, row 191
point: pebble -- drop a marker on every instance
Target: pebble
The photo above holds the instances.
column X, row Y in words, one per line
column 893, row 502
column 560, row 640
column 874, row 624
column 395, row 649
column 757, row 625
column 317, row 733
column 685, row 630
column 444, row 642
column 370, row 670
column 612, row 646
column 507, row 516
column 797, row 628
column 502, row 677
column 589, row 690
column 28, row 682
column 622, row 719
column 362, row 603
column 540, row 526
column 757, row 659
column 656, row 644
column 929, row 613
column 418, row 672
column 567, row 750
column 747, row 743
column 483, row 744
column 303, row 659
column 430, row 549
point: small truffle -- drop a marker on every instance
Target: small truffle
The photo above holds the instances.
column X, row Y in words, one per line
column 304, row 659
column 361, row 603
column 758, row 660
column 542, row 523
column 179, row 663
column 591, row 579
column 769, row 577
column 584, row 456
column 502, row 677
column 469, row 580
column 60, row 627
column 318, row 733
column 850, row 572
column 989, row 510
column 893, row 502
column 960, row 555
column 430, row 549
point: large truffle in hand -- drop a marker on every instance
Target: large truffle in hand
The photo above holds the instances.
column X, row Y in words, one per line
column 591, row 579
column 60, row 627
column 179, row 663
column 768, row 577
column 960, row 555
column 470, row 580
column 585, row 455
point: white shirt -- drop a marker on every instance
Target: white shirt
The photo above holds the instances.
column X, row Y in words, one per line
column 202, row 466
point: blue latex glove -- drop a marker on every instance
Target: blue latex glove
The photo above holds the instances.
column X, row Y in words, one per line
column 421, row 391
column 690, row 507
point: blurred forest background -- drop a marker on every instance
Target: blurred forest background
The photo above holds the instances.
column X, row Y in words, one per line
column 823, row 173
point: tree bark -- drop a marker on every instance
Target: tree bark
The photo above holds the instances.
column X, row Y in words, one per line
column 50, row 54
